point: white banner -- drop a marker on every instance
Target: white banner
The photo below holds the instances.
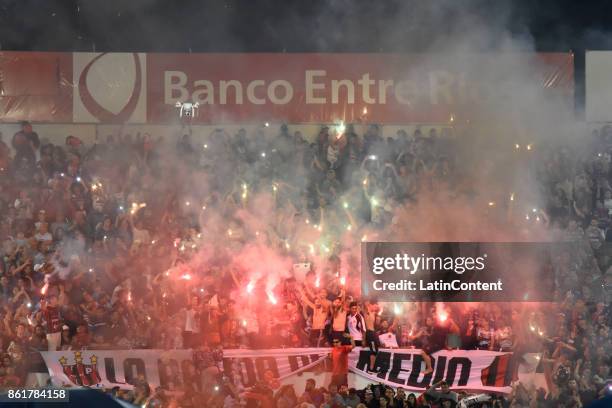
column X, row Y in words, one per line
column 251, row 365
column 598, row 84
column 116, row 368
column 461, row 369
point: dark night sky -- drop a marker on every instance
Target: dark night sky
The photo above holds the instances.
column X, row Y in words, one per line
column 287, row 25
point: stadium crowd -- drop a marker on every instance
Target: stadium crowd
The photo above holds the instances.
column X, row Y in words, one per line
column 141, row 242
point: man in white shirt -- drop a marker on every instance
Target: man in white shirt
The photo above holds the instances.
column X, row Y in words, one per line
column 140, row 235
column 43, row 232
column 356, row 324
column 191, row 329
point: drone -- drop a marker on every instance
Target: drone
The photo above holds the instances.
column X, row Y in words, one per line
column 187, row 109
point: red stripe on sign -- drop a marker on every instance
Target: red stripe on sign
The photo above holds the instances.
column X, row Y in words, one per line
column 501, row 370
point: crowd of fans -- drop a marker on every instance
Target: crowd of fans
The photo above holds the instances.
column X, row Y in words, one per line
column 132, row 242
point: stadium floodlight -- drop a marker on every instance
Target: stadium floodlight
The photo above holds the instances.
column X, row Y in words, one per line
column 187, row 109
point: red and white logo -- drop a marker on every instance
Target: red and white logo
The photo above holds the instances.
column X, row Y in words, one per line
column 109, row 88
